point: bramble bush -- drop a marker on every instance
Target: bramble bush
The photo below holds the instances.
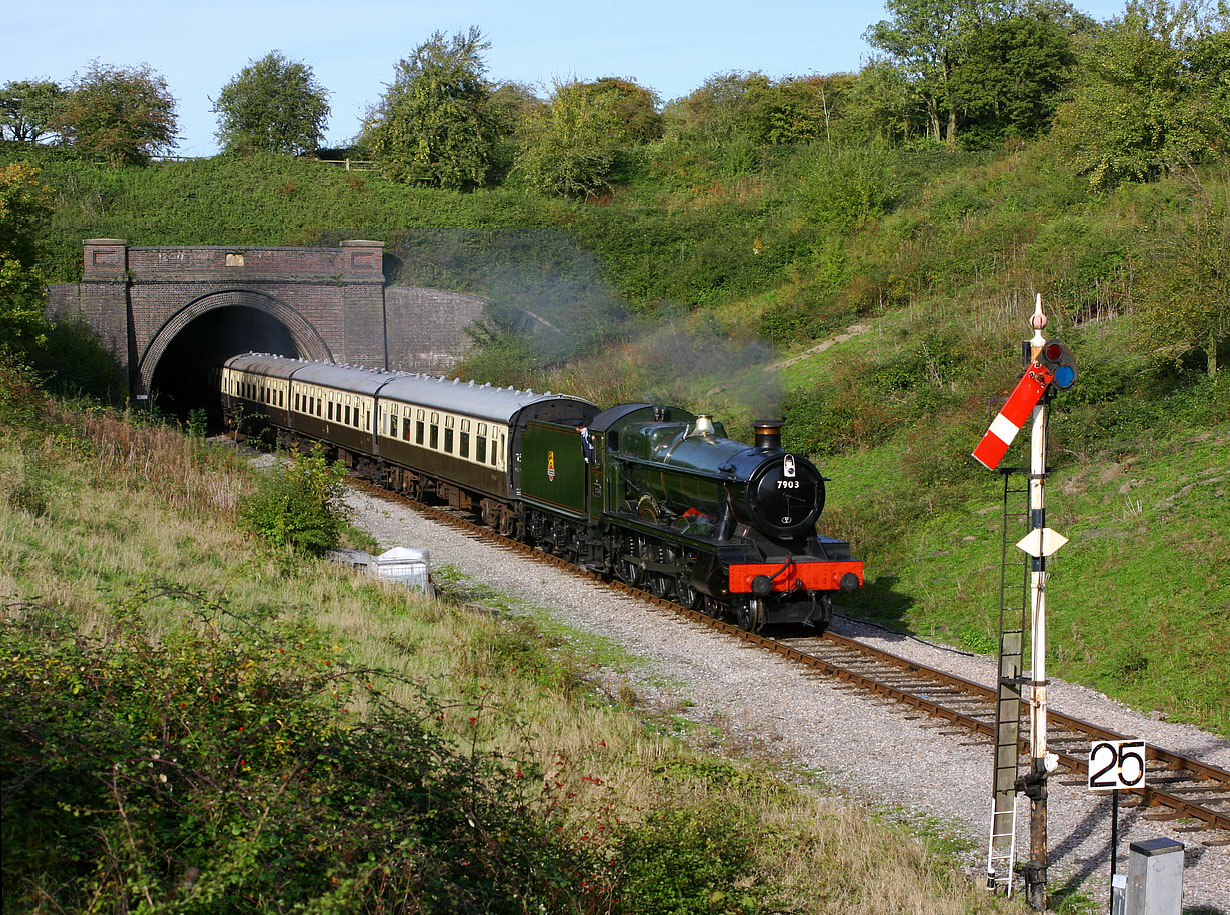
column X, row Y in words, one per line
column 224, row 766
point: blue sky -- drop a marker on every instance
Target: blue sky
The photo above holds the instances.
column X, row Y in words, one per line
column 352, row 45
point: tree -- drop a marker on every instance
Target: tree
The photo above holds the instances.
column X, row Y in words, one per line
column 1011, row 75
column 570, row 146
column 574, row 145
column 28, row 109
column 805, row 108
column 925, row 40
column 273, row 105
column 727, row 105
column 1181, row 304
column 883, row 106
column 512, row 106
column 123, row 114
column 631, row 108
column 436, row 124
column 25, row 205
column 1140, row 104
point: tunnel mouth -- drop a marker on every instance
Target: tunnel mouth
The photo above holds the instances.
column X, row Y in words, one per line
column 182, row 385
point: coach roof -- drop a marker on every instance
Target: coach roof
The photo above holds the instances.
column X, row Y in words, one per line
column 434, row 392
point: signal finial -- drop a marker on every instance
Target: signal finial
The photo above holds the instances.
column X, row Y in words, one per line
column 1037, row 321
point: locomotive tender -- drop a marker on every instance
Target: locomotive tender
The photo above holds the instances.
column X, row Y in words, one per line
column 655, row 496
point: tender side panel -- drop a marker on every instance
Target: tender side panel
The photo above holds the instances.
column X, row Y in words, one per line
column 553, row 468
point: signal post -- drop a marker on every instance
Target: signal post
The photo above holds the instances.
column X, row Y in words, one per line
column 1049, row 367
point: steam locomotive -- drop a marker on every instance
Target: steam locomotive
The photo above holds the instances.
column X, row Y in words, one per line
column 655, row 496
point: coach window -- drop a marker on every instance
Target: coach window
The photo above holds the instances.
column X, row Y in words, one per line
column 465, row 439
column 347, row 419
column 330, row 409
column 435, row 431
column 448, row 434
column 480, row 444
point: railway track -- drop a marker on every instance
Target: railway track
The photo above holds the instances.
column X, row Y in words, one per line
column 1178, row 785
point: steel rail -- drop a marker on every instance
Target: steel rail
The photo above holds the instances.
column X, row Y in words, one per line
column 1069, row 722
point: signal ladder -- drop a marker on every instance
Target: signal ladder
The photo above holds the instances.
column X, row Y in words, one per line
column 1013, row 620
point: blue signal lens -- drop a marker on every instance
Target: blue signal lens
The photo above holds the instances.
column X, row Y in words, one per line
column 1064, row 376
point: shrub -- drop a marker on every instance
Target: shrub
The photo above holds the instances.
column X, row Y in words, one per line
column 33, row 492
column 21, row 397
column 298, row 505
column 689, row 861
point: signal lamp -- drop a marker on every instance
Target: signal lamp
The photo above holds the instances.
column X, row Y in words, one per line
column 1056, row 357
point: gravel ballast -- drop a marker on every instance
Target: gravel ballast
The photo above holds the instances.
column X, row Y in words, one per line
column 869, row 749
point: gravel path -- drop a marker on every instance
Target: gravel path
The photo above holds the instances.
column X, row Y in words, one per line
column 869, row 749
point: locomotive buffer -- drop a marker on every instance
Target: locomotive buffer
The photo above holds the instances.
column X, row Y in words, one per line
column 1049, row 366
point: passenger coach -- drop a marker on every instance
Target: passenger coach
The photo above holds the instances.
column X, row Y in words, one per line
column 419, row 434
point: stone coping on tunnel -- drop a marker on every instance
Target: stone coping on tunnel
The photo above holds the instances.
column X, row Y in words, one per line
column 354, row 261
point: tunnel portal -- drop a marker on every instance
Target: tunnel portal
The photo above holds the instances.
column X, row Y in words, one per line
column 181, row 381
column 168, row 313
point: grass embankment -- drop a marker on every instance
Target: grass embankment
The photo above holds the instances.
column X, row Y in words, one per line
column 191, row 724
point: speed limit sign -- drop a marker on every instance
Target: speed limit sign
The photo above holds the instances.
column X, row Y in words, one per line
column 1116, row 764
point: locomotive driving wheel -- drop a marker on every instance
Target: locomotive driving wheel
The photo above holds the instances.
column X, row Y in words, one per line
column 685, row 593
column 628, row 572
column 627, row 566
column 661, row 586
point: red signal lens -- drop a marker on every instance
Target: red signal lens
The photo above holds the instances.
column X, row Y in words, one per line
column 1054, row 352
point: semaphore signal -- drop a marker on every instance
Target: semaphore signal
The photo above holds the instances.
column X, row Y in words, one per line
column 1049, row 367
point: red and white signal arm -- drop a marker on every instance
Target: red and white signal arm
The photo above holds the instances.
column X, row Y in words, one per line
column 1012, row 417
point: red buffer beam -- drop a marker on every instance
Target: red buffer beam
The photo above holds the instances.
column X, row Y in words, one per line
column 1012, row 417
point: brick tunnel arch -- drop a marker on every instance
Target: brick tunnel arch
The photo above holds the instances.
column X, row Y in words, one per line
column 305, row 337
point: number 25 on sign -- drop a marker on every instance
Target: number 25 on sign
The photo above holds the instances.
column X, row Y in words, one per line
column 1116, row 764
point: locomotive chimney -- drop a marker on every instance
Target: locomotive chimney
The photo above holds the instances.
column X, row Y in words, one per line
column 768, row 434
